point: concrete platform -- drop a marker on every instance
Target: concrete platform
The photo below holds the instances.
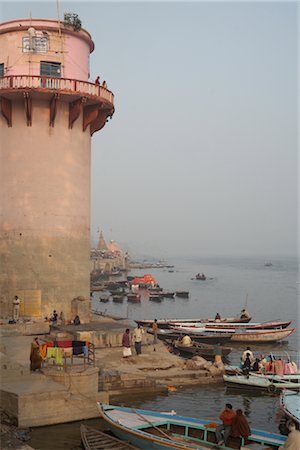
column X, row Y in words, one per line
column 24, row 329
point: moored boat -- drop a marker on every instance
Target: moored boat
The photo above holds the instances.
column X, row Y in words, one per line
column 93, row 439
column 278, row 324
column 183, row 294
column 261, row 336
column 270, row 382
column 134, row 298
column 151, row 430
column 196, row 348
column 211, row 338
column 290, row 405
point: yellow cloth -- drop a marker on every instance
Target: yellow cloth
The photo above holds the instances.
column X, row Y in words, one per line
column 56, row 353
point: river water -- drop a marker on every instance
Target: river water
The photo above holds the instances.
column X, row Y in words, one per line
column 269, row 293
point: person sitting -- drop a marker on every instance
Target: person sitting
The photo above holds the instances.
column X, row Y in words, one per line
column 240, row 426
column 217, row 317
column 293, row 440
column 54, row 318
column 245, row 314
column 246, row 353
column 186, row 341
column 76, row 320
column 256, row 365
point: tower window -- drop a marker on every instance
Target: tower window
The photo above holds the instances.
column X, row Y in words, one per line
column 35, row 44
column 2, row 70
column 50, row 69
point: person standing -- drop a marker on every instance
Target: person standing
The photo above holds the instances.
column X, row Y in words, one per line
column 97, row 81
column 126, row 343
column 240, row 426
column 154, row 330
column 35, row 356
column 248, row 353
column 226, row 416
column 137, row 338
column 16, row 308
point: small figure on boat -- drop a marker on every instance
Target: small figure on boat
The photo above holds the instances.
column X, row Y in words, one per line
column 226, row 416
column 256, row 365
column 200, row 276
column 293, row 440
column 246, row 367
column 249, row 353
column 217, row 317
column 137, row 339
column 245, row 314
column 126, row 344
column 186, row 340
column 240, row 426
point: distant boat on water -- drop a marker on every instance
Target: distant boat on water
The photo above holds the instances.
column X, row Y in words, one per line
column 268, row 264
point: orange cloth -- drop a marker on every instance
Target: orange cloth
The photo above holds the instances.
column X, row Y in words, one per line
column 227, row 416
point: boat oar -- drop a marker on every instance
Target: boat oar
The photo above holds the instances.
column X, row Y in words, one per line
column 156, row 428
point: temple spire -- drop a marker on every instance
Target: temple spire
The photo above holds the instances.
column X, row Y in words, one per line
column 102, row 247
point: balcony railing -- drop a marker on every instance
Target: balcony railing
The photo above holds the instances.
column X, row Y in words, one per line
column 56, row 84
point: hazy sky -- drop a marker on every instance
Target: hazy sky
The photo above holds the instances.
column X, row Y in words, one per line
column 200, row 157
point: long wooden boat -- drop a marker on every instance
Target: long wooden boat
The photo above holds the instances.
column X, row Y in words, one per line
column 209, row 338
column 183, row 294
column 134, row 298
column 234, row 325
column 165, row 323
column 271, row 383
column 290, row 405
column 93, row 439
column 261, row 336
column 150, row 430
column 200, row 349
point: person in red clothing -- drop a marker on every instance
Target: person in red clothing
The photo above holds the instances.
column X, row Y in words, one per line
column 226, row 416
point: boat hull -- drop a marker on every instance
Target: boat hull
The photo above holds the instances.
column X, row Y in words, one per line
column 262, row 336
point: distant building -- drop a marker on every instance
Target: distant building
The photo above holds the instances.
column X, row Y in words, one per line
column 107, row 258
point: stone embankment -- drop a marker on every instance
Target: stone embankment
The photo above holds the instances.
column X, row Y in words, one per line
column 69, row 393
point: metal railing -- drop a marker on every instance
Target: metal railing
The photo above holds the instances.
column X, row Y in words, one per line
column 55, row 83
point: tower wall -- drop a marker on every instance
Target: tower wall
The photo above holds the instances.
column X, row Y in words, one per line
column 45, row 207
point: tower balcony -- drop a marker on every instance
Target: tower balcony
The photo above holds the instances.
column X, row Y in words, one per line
column 95, row 101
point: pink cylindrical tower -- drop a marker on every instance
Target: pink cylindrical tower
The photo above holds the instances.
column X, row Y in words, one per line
column 49, row 111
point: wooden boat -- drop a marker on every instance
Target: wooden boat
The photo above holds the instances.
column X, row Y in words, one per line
column 155, row 298
column 166, row 323
column 271, row 383
column 211, row 338
column 98, row 440
column 183, row 294
column 261, row 336
column 150, row 430
column 134, row 298
column 118, row 298
column 200, row 349
column 104, row 299
column 168, row 294
column 234, row 325
column 290, row 405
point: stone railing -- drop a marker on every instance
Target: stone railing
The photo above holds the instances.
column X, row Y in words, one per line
column 55, row 84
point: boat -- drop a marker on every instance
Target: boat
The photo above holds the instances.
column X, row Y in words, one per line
column 270, row 382
column 290, row 405
column 155, row 297
column 277, row 324
column 166, row 323
column 211, row 338
column 93, row 439
column 118, row 298
column 183, row 294
column 134, row 298
column 200, row 276
column 261, row 336
column 151, row 430
column 167, row 294
column 196, row 348
column 104, row 299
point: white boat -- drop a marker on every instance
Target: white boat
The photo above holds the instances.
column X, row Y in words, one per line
column 151, row 430
column 271, row 383
column 234, row 325
column 290, row 405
